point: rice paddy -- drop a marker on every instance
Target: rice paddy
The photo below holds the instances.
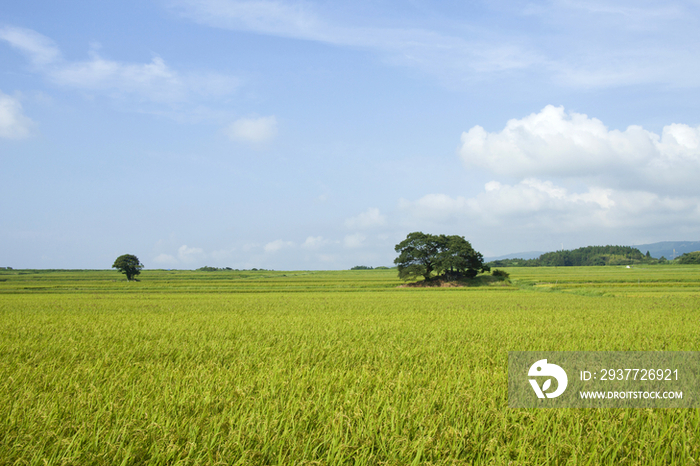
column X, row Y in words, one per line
column 327, row 367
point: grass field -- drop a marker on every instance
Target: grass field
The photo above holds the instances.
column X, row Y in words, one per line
column 327, row 367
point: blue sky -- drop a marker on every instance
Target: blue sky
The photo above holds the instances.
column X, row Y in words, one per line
column 316, row 135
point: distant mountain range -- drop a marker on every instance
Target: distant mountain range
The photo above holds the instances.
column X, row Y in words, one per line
column 668, row 249
column 516, row 255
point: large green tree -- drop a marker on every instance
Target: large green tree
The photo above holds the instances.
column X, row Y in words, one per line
column 422, row 254
column 129, row 265
column 417, row 255
column 456, row 256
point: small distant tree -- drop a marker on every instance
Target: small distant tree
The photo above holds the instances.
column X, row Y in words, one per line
column 129, row 265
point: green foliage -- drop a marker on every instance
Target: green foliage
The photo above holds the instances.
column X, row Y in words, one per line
column 129, row 265
column 500, row 273
column 361, row 267
column 593, row 255
column 589, row 255
column 422, row 254
column 689, row 258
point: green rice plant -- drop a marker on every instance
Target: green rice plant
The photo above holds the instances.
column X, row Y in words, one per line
column 325, row 368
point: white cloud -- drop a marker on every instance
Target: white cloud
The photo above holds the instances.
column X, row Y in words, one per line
column 277, row 245
column 545, row 207
column 223, row 254
column 253, row 130
column 354, row 241
column 369, row 219
column 314, row 242
column 554, row 143
column 39, row 49
column 431, row 51
column 165, row 259
column 581, row 44
column 13, row 123
column 271, row 17
column 188, row 254
column 575, row 181
column 154, row 81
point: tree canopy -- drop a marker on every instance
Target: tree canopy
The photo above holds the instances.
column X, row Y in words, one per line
column 129, row 265
column 422, row 254
column 589, row 255
column 689, row 258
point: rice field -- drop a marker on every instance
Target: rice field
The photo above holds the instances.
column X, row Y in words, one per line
column 327, row 368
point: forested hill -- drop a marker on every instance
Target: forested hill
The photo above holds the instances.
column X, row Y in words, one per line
column 593, row 255
column 590, row 255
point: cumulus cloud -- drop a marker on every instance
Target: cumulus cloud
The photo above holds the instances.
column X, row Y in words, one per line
column 154, row 81
column 566, row 175
column 277, row 245
column 544, row 206
column 554, row 143
column 253, row 130
column 13, row 123
column 368, row 219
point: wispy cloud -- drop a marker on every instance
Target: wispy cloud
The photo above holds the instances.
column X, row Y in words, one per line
column 13, row 123
column 38, row 48
column 187, row 254
column 165, row 259
column 154, row 81
column 435, row 53
column 371, row 218
column 314, row 242
column 253, row 130
column 354, row 241
column 277, row 245
column 270, row 17
column 577, row 44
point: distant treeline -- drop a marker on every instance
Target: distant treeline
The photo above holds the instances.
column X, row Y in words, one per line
column 689, row 258
column 590, row 255
column 366, row 267
column 206, row 268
